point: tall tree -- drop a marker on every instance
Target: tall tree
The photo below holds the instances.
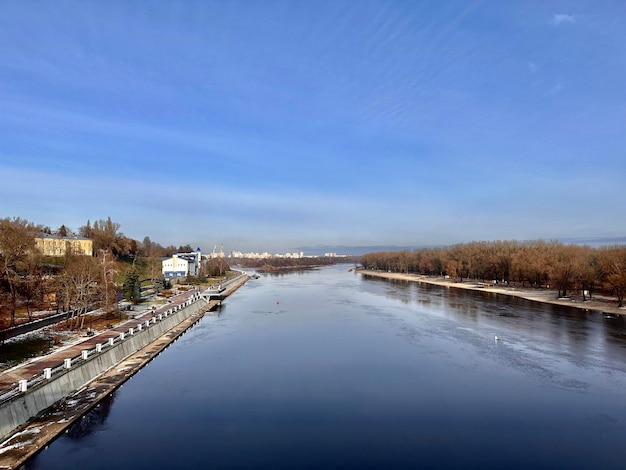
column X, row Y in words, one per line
column 17, row 241
column 147, row 247
column 613, row 261
column 105, row 235
column 86, row 230
column 107, row 272
column 34, row 283
column 214, row 267
column 79, row 285
column 154, row 267
column 132, row 286
column 159, row 284
column 562, row 267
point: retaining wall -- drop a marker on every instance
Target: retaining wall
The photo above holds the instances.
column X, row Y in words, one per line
column 35, row 395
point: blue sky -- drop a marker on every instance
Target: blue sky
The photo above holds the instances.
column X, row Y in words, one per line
column 272, row 125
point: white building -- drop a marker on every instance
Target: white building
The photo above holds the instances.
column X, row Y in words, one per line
column 239, row 254
column 265, row 255
column 182, row 264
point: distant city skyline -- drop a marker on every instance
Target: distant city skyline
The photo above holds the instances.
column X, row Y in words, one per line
column 279, row 125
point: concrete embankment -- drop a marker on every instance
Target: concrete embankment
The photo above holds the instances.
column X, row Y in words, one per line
column 46, row 405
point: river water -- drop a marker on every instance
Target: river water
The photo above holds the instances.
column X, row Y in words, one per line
column 329, row 369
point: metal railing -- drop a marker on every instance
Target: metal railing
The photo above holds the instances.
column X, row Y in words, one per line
column 87, row 355
column 222, row 286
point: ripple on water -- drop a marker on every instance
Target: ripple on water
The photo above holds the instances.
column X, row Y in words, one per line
column 605, row 418
column 573, row 384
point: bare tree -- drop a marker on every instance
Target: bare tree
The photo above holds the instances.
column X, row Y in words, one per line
column 562, row 267
column 78, row 286
column 613, row 261
column 105, row 235
column 33, row 284
column 552, row 264
column 86, row 230
column 107, row 272
column 17, row 241
column 147, row 247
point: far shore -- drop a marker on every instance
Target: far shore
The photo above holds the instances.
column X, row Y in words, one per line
column 265, row 269
column 548, row 296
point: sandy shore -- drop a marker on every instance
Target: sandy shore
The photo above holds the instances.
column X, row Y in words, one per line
column 548, row 296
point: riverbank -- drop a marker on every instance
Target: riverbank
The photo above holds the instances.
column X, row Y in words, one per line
column 46, row 427
column 33, row 437
column 547, row 296
column 267, row 269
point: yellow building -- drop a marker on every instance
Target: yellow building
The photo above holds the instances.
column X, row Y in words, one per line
column 54, row 245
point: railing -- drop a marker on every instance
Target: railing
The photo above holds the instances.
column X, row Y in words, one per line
column 224, row 285
column 33, row 325
column 87, row 355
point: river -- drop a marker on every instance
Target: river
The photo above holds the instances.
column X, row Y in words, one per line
column 328, row 369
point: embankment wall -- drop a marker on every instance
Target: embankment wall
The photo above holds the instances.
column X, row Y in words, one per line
column 42, row 392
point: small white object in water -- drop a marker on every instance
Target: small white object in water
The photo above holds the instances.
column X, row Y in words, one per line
column 496, row 337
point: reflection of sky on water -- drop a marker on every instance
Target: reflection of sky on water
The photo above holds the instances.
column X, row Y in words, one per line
column 362, row 373
column 580, row 334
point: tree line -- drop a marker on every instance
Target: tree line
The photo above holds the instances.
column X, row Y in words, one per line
column 549, row 264
column 73, row 283
column 277, row 262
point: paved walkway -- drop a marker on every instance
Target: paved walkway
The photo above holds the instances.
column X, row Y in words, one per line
column 9, row 378
column 35, row 435
column 28, row 440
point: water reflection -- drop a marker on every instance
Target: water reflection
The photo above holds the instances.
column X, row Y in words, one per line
column 534, row 337
column 356, row 372
column 578, row 328
column 92, row 421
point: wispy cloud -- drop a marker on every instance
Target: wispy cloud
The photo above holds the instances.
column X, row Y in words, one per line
column 561, row 18
column 557, row 87
column 376, row 123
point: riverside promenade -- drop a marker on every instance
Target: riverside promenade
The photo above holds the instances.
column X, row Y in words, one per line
column 27, row 440
column 548, row 296
column 11, row 377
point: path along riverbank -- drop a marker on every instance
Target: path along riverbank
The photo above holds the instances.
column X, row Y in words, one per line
column 547, row 296
column 34, row 436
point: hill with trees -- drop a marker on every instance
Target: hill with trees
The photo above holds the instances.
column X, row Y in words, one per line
column 75, row 283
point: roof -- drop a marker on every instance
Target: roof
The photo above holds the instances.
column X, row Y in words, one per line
column 50, row 236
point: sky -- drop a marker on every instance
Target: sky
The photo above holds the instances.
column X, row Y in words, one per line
column 277, row 125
